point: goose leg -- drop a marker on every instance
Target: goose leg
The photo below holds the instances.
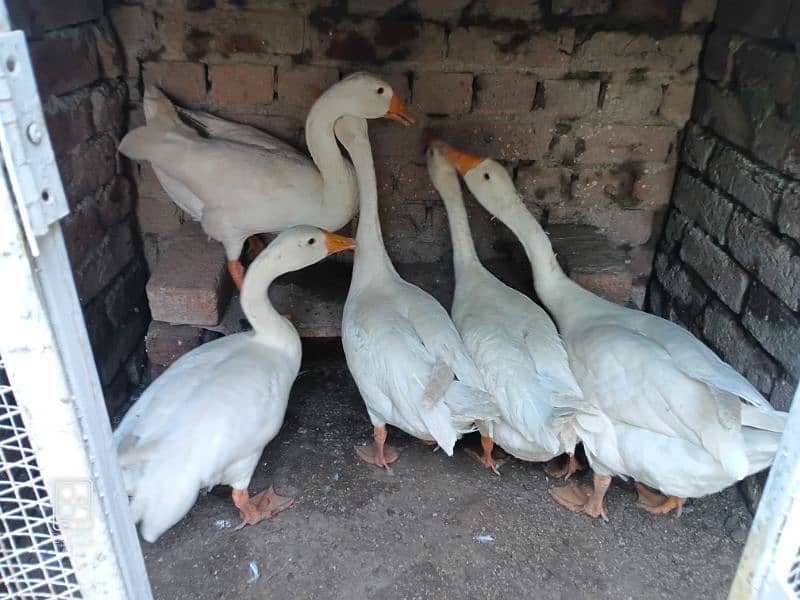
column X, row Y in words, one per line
column 655, row 503
column 583, row 498
column 378, row 453
column 261, row 506
column 554, row 469
column 236, row 270
column 430, row 443
column 486, row 459
column 596, row 507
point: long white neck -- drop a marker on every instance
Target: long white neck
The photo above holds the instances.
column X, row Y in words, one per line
column 548, row 277
column 371, row 260
column 464, row 255
column 339, row 200
column 265, row 320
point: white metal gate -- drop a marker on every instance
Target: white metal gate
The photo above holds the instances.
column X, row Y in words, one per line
column 770, row 565
column 65, row 527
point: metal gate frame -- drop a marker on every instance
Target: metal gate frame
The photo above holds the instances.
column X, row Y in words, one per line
column 772, row 551
column 46, row 351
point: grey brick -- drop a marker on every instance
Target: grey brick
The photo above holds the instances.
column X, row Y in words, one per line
column 724, row 333
column 753, row 186
column 783, row 393
column 775, row 326
column 655, row 298
column 723, row 113
column 719, row 271
column 697, row 147
column 676, row 226
column 771, row 258
column 682, row 286
column 702, row 204
column 789, row 212
column 759, row 19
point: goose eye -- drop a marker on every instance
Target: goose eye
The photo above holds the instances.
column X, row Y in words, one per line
column 486, row 176
column 311, row 241
column 379, row 90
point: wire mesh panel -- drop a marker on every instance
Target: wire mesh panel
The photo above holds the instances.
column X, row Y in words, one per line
column 33, row 560
column 794, row 575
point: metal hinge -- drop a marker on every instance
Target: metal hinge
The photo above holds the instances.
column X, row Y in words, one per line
column 25, row 143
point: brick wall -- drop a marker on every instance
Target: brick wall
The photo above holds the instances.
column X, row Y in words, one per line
column 582, row 99
column 80, row 77
column 728, row 266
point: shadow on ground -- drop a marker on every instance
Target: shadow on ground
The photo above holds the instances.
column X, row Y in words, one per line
column 358, row 532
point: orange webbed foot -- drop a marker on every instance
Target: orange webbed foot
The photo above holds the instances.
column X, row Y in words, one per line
column 262, row 506
column 380, row 457
column 558, row 469
column 656, row 503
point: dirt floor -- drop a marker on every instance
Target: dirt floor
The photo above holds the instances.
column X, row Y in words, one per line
column 358, row 532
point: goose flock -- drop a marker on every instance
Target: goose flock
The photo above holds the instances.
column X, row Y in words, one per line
column 648, row 401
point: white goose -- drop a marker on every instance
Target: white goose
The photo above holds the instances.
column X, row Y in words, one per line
column 660, row 406
column 238, row 181
column 512, row 341
column 207, row 419
column 401, row 346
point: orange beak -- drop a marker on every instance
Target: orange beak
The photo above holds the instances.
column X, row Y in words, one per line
column 462, row 161
column 336, row 243
column 398, row 112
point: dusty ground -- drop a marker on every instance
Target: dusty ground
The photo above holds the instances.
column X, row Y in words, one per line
column 358, row 532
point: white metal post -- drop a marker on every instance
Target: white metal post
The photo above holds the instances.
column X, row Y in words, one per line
column 773, row 546
column 46, row 351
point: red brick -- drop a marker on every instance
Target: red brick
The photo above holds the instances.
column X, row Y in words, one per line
column 87, row 167
column 440, row 10
column 391, row 139
column 36, row 16
column 148, row 182
column 503, row 141
column 65, row 63
column 241, row 85
column 135, row 27
column 483, row 47
column 83, row 231
column 158, row 215
column 677, row 106
column 597, row 187
column 623, row 51
column 513, row 10
column 698, row 11
column 414, row 184
column 505, row 93
column 300, row 85
column 542, row 186
column 185, row 81
column 653, row 186
column 190, row 285
column 115, row 201
column 166, row 343
column 651, row 11
column 108, row 107
column 570, row 98
column 69, row 121
column 580, row 8
column 104, row 262
column 613, row 286
column 631, row 102
column 622, row 143
column 443, row 93
column 369, row 41
column 642, row 260
column 108, row 51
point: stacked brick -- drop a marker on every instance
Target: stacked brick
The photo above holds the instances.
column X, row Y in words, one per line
column 80, row 77
column 728, row 266
column 581, row 99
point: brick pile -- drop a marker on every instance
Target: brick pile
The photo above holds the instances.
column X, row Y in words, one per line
column 581, row 99
column 728, row 265
column 79, row 71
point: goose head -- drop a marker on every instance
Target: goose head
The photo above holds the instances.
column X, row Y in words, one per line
column 442, row 173
column 365, row 95
column 487, row 179
column 302, row 246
